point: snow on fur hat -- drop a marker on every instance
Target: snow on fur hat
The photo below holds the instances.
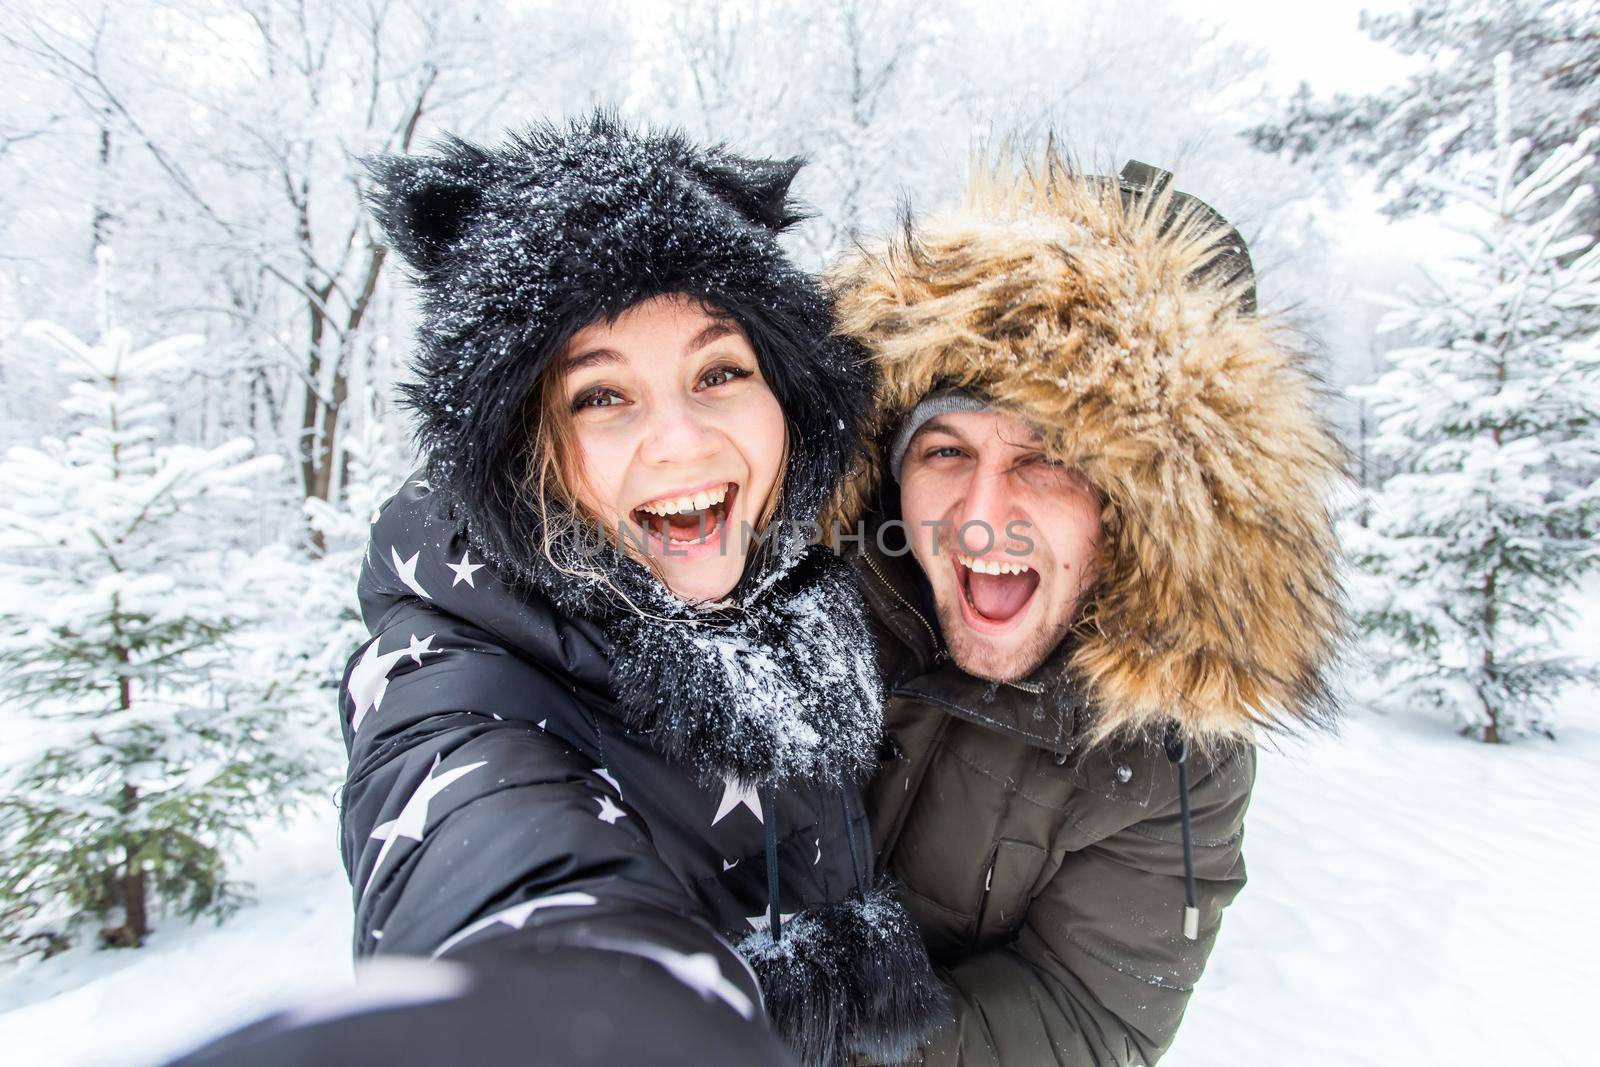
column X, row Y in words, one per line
column 513, row 249
column 1117, row 316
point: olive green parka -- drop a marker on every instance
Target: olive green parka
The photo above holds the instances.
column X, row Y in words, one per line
column 1046, row 873
column 1037, row 827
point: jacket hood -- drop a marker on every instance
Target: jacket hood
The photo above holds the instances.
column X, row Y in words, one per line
column 1117, row 317
column 513, row 249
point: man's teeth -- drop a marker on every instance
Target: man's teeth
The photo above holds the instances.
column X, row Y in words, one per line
column 991, row 566
column 676, row 505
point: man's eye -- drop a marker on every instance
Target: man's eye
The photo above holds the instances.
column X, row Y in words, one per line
column 723, row 375
column 942, row 452
column 596, row 398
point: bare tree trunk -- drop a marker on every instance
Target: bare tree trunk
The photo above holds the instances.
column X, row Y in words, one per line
column 1491, row 607
column 100, row 226
column 322, row 415
column 1491, row 731
column 313, row 449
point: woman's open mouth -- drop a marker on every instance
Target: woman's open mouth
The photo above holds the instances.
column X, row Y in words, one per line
column 683, row 521
column 994, row 592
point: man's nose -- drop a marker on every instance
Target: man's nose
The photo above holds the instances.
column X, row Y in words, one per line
column 986, row 509
column 676, row 433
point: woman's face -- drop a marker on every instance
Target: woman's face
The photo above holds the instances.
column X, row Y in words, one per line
column 680, row 442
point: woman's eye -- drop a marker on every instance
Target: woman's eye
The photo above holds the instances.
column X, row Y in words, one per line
column 722, row 376
column 596, row 398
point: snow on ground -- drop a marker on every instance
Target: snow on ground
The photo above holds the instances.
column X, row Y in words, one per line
column 1415, row 898
column 89, row 1008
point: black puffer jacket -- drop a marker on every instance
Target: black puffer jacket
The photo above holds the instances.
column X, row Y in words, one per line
column 540, row 735
column 494, row 784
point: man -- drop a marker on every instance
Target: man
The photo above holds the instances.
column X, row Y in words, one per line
column 1100, row 558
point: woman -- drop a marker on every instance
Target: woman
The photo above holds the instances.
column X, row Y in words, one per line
column 612, row 702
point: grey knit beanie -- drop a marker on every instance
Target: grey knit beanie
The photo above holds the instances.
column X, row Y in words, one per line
column 939, row 402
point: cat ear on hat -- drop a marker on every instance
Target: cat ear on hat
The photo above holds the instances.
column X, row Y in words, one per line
column 424, row 203
column 758, row 188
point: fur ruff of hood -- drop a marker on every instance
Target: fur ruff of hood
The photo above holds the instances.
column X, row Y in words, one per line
column 1095, row 311
column 514, row 248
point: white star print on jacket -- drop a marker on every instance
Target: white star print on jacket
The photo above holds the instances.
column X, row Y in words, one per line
column 413, row 818
column 734, row 793
column 610, row 779
column 699, row 971
column 515, row 916
column 609, row 812
column 369, row 678
column 464, row 571
column 407, row 570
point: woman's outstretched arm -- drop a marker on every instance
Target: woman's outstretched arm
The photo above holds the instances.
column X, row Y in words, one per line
column 515, row 904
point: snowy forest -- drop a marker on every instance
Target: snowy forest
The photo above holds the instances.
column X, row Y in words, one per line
column 201, row 335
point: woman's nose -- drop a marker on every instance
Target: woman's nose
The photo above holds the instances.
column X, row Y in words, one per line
column 676, row 433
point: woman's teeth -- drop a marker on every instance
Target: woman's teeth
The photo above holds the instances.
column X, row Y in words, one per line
column 991, row 566
column 677, row 505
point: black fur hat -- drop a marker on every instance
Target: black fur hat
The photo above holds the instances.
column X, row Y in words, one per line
column 515, row 248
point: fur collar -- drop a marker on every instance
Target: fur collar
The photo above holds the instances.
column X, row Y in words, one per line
column 782, row 691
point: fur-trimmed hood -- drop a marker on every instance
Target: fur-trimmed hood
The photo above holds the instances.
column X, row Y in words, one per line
column 515, row 248
column 1117, row 319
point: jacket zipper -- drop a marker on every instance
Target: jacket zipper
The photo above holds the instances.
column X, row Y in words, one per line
column 938, row 646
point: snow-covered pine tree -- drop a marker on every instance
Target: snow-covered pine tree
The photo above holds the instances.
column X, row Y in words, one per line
column 140, row 739
column 1444, row 111
column 1490, row 421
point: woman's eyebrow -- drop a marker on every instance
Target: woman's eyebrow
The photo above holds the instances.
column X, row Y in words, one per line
column 598, row 357
column 593, row 357
column 714, row 332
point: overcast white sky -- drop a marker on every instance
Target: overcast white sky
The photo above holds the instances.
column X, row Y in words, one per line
column 1317, row 41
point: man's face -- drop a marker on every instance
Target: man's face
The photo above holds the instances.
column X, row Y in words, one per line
column 980, row 497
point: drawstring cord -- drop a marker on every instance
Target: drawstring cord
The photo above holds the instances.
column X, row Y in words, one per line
column 769, row 808
column 769, row 803
column 850, row 836
column 1177, row 747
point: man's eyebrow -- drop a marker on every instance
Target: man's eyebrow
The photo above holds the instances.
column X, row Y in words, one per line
column 1034, row 439
column 936, row 424
column 718, row 329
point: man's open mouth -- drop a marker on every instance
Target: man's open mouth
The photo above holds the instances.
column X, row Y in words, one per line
column 690, row 518
column 996, row 590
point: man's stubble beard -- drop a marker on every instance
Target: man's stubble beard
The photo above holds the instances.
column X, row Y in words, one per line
column 979, row 658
